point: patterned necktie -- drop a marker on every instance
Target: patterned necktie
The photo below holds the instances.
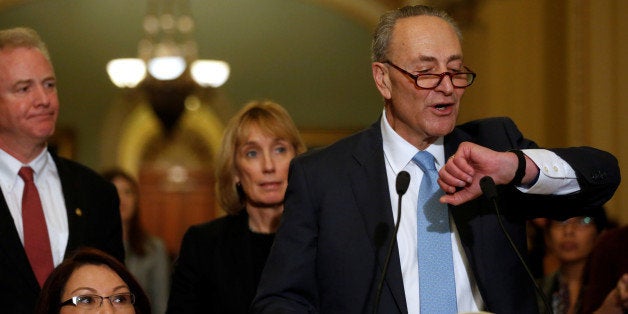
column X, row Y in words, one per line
column 36, row 240
column 436, row 270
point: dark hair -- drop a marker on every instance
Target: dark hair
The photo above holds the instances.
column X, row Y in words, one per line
column 50, row 297
column 598, row 214
column 137, row 236
column 599, row 217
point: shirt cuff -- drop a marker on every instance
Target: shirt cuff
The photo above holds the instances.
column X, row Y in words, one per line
column 555, row 175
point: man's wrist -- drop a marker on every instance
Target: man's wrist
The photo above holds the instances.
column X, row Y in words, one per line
column 521, row 167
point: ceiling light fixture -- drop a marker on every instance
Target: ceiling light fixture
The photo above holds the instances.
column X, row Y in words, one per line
column 167, row 64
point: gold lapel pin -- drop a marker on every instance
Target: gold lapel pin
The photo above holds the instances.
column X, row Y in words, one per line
column 78, row 212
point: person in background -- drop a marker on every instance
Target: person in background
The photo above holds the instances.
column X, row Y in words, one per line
column 91, row 280
column 220, row 262
column 570, row 241
column 537, row 249
column 607, row 274
column 616, row 302
column 49, row 206
column 341, row 202
column 146, row 255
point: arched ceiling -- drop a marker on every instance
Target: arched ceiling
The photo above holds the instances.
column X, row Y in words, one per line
column 365, row 11
column 349, row 6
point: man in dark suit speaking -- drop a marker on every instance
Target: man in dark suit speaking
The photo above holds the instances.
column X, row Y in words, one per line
column 49, row 206
column 341, row 202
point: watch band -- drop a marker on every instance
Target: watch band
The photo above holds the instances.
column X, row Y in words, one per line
column 521, row 168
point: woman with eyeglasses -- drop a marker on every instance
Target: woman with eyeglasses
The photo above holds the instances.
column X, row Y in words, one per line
column 91, row 281
column 220, row 262
column 571, row 242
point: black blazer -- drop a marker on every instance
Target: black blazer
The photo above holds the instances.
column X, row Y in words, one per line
column 216, row 271
column 93, row 218
column 327, row 257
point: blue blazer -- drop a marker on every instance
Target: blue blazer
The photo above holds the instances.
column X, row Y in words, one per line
column 93, row 219
column 328, row 253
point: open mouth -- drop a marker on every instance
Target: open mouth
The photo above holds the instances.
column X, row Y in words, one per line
column 442, row 107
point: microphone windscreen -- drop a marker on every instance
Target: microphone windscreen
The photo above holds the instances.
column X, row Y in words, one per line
column 488, row 187
column 403, row 180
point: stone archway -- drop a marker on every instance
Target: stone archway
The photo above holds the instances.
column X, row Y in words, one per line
column 175, row 171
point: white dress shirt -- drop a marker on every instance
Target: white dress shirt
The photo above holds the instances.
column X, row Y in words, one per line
column 48, row 185
column 556, row 177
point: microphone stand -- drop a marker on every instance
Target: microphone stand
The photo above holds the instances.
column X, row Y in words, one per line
column 403, row 180
column 490, row 191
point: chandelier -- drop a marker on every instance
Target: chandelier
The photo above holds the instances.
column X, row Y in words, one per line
column 167, row 68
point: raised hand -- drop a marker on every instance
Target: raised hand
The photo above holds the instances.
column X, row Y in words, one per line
column 461, row 174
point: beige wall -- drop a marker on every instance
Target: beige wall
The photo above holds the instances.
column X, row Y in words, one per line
column 599, row 106
column 556, row 68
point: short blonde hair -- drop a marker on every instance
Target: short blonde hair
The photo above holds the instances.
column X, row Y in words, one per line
column 270, row 118
column 22, row 37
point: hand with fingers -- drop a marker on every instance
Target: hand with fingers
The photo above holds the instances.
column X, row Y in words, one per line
column 461, row 174
column 617, row 300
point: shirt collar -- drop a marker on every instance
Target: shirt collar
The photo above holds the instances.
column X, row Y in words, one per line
column 399, row 152
column 10, row 166
column 40, row 162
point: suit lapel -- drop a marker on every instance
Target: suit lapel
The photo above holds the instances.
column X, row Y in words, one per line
column 451, row 143
column 370, row 189
column 74, row 212
column 453, row 140
column 12, row 249
column 461, row 214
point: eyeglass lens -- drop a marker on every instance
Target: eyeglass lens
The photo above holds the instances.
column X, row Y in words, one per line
column 91, row 301
column 433, row 80
column 576, row 221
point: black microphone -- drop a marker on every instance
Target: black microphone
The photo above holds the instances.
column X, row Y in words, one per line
column 401, row 185
column 488, row 188
column 490, row 191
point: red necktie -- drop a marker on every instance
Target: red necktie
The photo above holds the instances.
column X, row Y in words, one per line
column 36, row 241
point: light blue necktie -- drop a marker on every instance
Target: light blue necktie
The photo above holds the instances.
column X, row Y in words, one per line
column 437, row 288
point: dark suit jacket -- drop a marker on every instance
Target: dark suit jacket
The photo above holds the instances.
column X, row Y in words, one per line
column 216, row 271
column 93, row 218
column 327, row 257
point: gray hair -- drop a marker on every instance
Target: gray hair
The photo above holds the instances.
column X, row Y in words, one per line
column 22, row 37
column 384, row 29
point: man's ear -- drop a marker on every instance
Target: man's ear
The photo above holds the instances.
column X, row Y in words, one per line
column 382, row 81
